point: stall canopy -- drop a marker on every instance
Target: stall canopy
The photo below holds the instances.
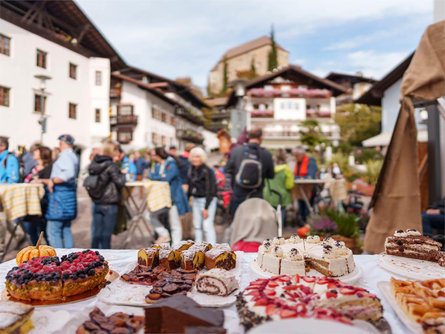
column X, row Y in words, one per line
column 383, row 139
column 396, row 200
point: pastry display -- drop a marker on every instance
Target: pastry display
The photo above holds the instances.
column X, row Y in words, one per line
column 411, row 243
column 282, row 297
column 116, row 323
column 220, row 256
column 296, row 256
column 174, row 314
column 30, row 252
column 219, row 282
column 188, row 255
column 50, row 278
column 421, row 300
column 15, row 318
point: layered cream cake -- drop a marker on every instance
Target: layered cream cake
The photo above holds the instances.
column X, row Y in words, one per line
column 411, row 243
column 296, row 256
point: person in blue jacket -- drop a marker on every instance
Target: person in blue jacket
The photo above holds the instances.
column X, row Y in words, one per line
column 9, row 164
column 62, row 206
column 128, row 165
column 166, row 169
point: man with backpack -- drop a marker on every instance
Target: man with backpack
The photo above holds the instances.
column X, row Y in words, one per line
column 248, row 166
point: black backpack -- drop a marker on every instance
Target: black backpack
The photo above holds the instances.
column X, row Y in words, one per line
column 250, row 173
column 95, row 185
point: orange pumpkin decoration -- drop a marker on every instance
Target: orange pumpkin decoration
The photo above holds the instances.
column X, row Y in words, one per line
column 31, row 252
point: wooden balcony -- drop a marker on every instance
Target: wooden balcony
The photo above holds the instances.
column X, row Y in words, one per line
column 190, row 135
column 262, row 113
column 123, row 120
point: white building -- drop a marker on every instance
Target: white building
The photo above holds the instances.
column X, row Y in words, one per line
column 386, row 93
column 280, row 101
column 56, row 40
column 148, row 110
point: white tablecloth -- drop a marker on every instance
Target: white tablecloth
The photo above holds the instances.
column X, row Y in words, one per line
column 119, row 259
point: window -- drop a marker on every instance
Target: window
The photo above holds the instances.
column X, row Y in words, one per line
column 38, row 100
column 289, row 105
column 97, row 115
column 173, row 121
column 164, row 117
column 98, row 78
column 73, row 71
column 154, row 138
column 4, row 96
column 125, row 110
column 72, row 111
column 5, row 45
column 164, row 140
column 124, row 136
column 283, row 105
column 156, row 113
column 41, row 58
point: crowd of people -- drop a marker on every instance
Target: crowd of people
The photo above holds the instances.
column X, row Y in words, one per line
column 249, row 171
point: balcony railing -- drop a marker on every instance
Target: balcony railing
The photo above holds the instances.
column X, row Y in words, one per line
column 190, row 135
column 128, row 120
column 294, row 92
column 314, row 113
column 262, row 113
column 277, row 134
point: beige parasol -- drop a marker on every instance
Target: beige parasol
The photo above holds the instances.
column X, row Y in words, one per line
column 396, row 200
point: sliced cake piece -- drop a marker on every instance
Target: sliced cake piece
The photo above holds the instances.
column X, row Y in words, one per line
column 413, row 244
column 292, row 263
column 167, row 259
column 148, row 257
column 220, row 256
column 15, row 317
column 219, row 282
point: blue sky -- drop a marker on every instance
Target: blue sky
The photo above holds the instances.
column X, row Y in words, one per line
column 177, row 38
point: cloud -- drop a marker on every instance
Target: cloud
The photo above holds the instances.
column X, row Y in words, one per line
column 186, row 38
column 375, row 64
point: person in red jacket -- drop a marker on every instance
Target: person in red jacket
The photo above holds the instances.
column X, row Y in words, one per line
column 305, row 168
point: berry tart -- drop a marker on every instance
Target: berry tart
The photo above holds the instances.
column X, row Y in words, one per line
column 286, row 296
column 50, row 278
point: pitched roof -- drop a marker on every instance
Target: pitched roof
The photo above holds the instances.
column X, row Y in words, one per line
column 294, row 72
column 64, row 23
column 246, row 47
column 334, row 76
column 145, row 86
column 179, row 88
column 374, row 95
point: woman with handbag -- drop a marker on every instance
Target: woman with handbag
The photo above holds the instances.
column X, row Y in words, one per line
column 104, row 186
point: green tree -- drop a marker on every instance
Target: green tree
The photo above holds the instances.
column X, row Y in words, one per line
column 358, row 122
column 225, row 77
column 272, row 62
column 311, row 134
column 252, row 65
